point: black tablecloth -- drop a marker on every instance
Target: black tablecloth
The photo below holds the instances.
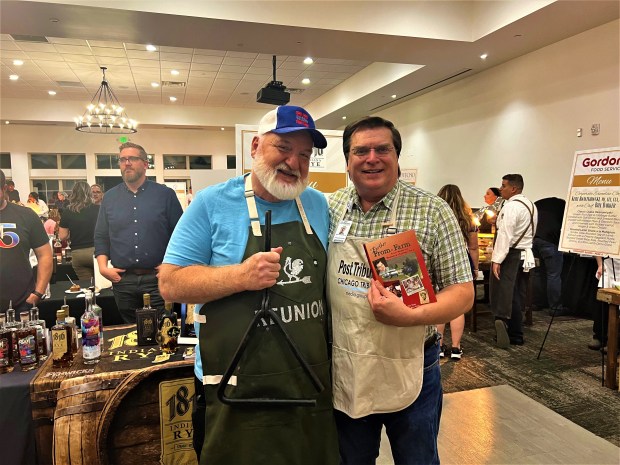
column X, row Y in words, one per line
column 105, row 299
column 16, row 429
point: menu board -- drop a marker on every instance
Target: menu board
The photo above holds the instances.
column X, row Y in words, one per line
column 591, row 222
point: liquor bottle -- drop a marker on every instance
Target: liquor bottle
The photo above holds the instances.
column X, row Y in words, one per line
column 72, row 325
column 146, row 322
column 168, row 330
column 39, row 326
column 13, row 326
column 97, row 310
column 91, row 342
column 6, row 346
column 68, row 256
column 62, row 356
column 27, row 342
column 58, row 250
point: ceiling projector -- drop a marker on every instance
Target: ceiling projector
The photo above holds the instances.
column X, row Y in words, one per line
column 275, row 92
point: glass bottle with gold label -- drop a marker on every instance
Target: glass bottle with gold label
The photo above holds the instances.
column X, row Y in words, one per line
column 62, row 355
column 168, row 330
column 147, row 323
column 71, row 323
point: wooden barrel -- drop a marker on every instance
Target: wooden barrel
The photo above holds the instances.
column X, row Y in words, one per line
column 79, row 404
column 130, row 430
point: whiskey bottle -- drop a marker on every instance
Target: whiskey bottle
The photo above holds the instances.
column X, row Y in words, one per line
column 71, row 322
column 6, row 346
column 146, row 322
column 13, row 326
column 168, row 330
column 58, row 250
column 91, row 341
column 68, row 255
column 27, row 342
column 62, row 356
column 39, row 326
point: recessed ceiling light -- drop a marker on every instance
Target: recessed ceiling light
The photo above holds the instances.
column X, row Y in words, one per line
column 6, row 122
column 305, row 81
column 154, row 84
column 173, row 99
column 151, row 48
column 51, row 92
column 393, row 95
column 13, row 77
column 484, row 56
column 18, row 62
column 54, row 20
column 344, row 117
column 174, row 72
column 222, row 129
column 308, row 61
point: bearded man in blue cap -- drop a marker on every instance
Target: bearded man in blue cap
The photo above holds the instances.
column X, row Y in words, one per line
column 216, row 258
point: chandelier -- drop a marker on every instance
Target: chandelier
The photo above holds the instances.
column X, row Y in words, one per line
column 105, row 115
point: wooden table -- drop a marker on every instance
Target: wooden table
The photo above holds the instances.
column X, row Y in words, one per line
column 612, row 297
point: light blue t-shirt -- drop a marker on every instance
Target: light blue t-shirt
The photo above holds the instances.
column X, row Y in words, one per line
column 214, row 229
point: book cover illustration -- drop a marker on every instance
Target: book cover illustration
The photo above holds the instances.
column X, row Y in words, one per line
column 396, row 262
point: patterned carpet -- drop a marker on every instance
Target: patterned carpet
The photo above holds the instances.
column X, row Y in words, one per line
column 566, row 378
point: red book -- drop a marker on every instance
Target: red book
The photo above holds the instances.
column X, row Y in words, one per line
column 397, row 263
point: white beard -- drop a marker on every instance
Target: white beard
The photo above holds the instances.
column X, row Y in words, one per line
column 268, row 177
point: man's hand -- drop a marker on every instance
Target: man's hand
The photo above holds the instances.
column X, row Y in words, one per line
column 387, row 307
column 111, row 274
column 496, row 269
column 262, row 269
column 33, row 300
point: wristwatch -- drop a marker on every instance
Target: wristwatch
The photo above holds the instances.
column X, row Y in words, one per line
column 37, row 293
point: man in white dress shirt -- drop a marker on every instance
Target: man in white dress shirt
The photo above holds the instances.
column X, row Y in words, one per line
column 512, row 258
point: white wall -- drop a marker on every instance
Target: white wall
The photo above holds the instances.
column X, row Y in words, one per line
column 519, row 117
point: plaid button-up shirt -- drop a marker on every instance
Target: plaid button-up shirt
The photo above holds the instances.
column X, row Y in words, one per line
column 434, row 223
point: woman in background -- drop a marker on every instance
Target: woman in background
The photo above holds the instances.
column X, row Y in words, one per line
column 486, row 222
column 452, row 195
column 38, row 205
column 78, row 223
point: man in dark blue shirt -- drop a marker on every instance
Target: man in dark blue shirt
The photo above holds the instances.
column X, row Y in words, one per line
column 135, row 222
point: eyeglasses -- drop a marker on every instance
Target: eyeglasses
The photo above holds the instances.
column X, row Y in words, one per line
column 131, row 159
column 380, row 150
column 288, row 150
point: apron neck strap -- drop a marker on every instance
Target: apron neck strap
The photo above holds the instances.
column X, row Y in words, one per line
column 253, row 211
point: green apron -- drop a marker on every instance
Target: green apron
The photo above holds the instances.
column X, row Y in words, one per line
column 268, row 368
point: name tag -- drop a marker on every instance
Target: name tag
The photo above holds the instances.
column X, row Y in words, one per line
column 342, row 230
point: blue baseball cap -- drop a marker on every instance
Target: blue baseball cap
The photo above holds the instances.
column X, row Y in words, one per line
column 289, row 118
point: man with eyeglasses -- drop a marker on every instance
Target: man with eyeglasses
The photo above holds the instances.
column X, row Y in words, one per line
column 135, row 222
column 385, row 354
column 216, row 258
column 96, row 192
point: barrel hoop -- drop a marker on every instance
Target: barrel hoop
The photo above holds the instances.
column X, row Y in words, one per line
column 84, row 408
column 99, row 385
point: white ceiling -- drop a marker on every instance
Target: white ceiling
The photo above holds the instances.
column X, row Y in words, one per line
column 364, row 52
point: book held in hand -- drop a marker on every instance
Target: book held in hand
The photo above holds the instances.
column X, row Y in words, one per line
column 396, row 262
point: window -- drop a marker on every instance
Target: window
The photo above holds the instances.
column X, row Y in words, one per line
column 200, row 162
column 5, row 161
column 175, row 162
column 48, row 187
column 231, row 162
column 73, row 162
column 44, row 161
column 107, row 161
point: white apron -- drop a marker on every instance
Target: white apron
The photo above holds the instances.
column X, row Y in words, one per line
column 377, row 368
